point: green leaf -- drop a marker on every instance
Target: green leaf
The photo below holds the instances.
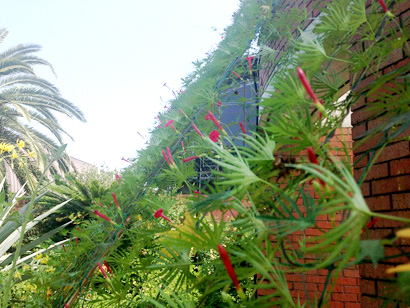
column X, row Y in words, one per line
column 373, row 249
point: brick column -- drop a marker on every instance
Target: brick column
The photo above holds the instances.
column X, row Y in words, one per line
column 387, row 185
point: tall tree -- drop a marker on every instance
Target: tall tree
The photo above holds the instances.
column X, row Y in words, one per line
column 27, row 100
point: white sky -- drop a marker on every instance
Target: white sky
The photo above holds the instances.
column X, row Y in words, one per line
column 112, row 59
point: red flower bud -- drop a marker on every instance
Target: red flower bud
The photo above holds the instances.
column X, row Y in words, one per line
column 98, row 213
column 102, row 270
column 384, row 6
column 306, row 84
column 115, row 199
column 210, row 116
column 190, row 158
column 242, row 127
column 197, row 130
column 228, row 266
column 108, row 267
column 250, row 63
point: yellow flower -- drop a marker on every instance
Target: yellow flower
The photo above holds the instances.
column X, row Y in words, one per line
column 399, row 268
column 49, row 293
column 14, row 155
column 38, row 257
column 402, row 267
column 9, row 147
column 403, row 233
column 50, row 270
column 17, row 275
column 26, row 267
column 30, row 154
column 20, row 144
column 3, row 147
column 45, row 259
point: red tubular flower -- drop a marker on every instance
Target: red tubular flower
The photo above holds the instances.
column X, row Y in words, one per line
column 197, row 130
column 312, row 156
column 370, row 224
column 159, row 214
column 108, row 267
column 160, row 126
column 115, row 199
column 102, row 270
column 218, row 104
column 78, row 229
column 384, row 6
column 210, row 116
column 237, row 75
column 306, row 84
column 214, row 136
column 98, row 213
column 182, row 145
column 64, row 248
column 242, row 127
column 190, row 158
column 170, row 156
column 76, row 239
column 170, row 124
column 250, row 63
column 165, row 157
column 66, row 306
column 313, row 159
column 229, row 268
column 181, row 111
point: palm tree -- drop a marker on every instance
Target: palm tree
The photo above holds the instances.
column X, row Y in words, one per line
column 26, row 99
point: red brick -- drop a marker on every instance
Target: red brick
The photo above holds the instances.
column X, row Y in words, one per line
column 379, row 203
column 316, row 279
column 333, row 304
column 347, row 281
column 365, row 82
column 352, row 289
column 363, row 114
column 368, row 287
column 393, row 251
column 401, row 7
column 401, row 201
column 359, row 130
column 353, row 305
column 369, row 302
column 336, row 289
column 403, row 63
column 369, row 271
column 401, row 166
column 368, row 143
column 360, row 160
column 394, row 151
column 365, row 189
column 293, row 277
column 395, row 184
column 344, row 297
column 351, row 273
column 305, row 286
column 376, row 172
column 388, row 223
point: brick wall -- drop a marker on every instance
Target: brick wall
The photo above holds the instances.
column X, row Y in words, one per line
column 386, row 188
column 387, row 185
column 309, row 286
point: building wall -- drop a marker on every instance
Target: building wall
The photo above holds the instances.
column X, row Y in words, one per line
column 386, row 189
column 387, row 186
